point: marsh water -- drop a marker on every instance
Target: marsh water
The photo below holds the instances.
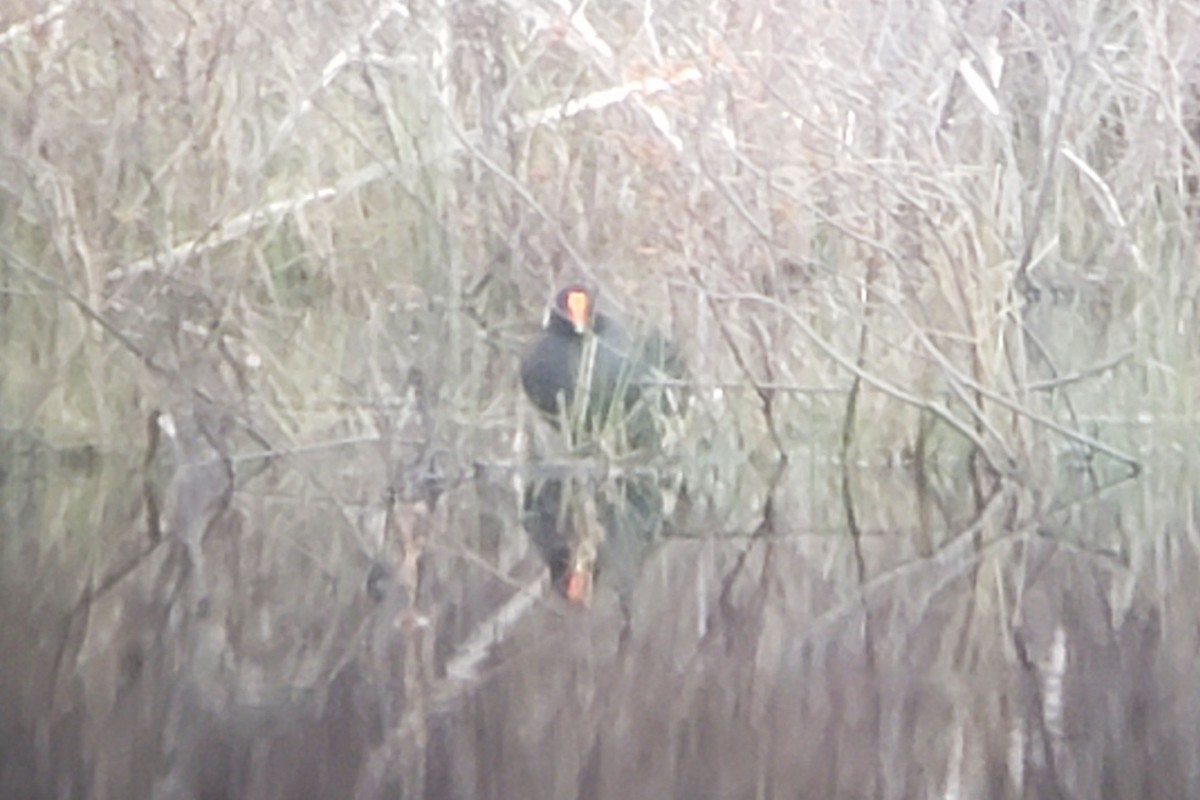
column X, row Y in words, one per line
column 941, row 646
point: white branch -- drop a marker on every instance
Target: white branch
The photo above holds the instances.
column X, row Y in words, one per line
column 224, row 232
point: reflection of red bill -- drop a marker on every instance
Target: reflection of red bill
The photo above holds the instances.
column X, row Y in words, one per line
column 578, row 587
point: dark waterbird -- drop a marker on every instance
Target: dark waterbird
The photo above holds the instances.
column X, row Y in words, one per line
column 610, row 391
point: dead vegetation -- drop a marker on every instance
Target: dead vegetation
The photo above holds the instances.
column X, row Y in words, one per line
column 265, row 272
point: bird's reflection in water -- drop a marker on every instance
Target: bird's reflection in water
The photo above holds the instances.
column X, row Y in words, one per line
column 594, row 529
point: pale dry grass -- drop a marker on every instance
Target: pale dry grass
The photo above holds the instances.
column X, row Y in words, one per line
column 956, row 239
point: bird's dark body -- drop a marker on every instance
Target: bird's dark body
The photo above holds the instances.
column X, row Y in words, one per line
column 550, row 371
column 625, row 370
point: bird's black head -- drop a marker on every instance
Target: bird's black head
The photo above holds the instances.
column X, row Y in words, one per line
column 573, row 310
